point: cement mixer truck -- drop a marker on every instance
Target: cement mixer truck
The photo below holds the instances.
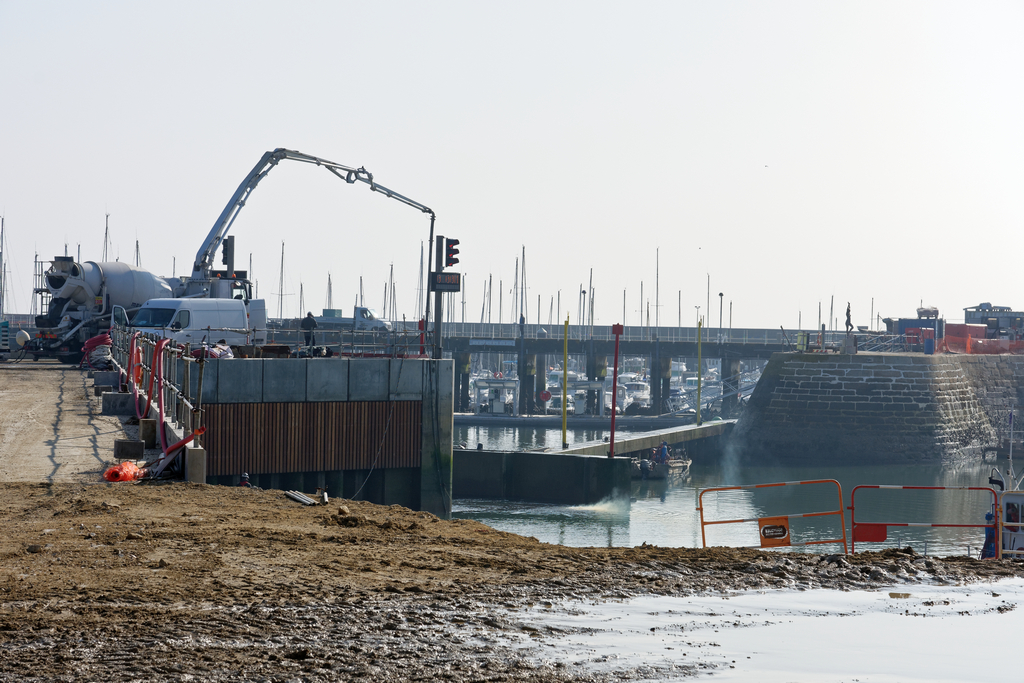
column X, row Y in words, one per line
column 83, row 295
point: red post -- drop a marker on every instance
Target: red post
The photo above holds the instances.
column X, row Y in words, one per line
column 617, row 331
column 423, row 326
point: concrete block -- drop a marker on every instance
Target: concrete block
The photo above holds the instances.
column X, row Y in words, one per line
column 211, row 375
column 209, row 380
column 284, row 380
column 311, row 481
column 334, row 481
column 402, row 487
column 239, row 380
column 147, row 432
column 446, row 380
column 108, row 378
column 478, row 474
column 436, row 447
column 327, row 380
column 368, row 379
column 99, row 390
column 128, row 449
column 118, row 404
column 195, row 464
column 406, row 379
column 291, row 481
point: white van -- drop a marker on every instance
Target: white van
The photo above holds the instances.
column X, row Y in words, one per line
column 195, row 321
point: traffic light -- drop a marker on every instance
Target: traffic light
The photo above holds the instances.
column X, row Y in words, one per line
column 228, row 252
column 450, row 252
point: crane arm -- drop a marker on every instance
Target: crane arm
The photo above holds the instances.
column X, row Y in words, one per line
column 204, row 257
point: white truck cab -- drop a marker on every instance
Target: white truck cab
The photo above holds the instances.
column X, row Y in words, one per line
column 195, row 321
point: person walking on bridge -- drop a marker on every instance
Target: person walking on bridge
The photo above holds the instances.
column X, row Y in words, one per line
column 308, row 324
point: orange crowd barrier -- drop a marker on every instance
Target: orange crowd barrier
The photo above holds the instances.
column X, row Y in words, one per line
column 774, row 531
column 971, row 345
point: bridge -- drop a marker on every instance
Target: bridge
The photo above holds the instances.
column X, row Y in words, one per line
column 596, row 343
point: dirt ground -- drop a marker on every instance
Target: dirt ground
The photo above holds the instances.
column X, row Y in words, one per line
column 185, row 582
column 51, row 428
column 193, row 582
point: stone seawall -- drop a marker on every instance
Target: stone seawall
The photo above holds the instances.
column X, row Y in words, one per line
column 874, row 408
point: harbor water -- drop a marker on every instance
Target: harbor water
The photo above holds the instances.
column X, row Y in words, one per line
column 664, row 512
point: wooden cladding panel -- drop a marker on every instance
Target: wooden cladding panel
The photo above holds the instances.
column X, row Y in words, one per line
column 265, row 438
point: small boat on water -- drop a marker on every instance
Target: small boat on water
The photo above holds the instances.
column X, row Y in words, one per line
column 648, row 469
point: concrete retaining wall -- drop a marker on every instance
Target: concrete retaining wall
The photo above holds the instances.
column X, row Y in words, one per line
column 371, row 381
column 539, row 477
column 868, row 408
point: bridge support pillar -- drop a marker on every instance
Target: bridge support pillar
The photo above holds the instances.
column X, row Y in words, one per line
column 663, row 378
column 597, row 370
column 528, row 384
column 462, row 365
column 730, row 385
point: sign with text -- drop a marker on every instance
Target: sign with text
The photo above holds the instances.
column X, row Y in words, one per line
column 774, row 531
column 446, row 282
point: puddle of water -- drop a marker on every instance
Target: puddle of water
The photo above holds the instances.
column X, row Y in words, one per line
column 933, row 633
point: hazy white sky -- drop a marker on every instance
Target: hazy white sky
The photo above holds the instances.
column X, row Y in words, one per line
column 792, row 151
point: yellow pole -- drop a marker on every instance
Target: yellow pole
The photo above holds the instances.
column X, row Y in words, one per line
column 700, row 324
column 565, row 378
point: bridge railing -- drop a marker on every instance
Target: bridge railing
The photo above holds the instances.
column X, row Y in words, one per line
column 604, row 333
column 396, row 343
column 882, row 343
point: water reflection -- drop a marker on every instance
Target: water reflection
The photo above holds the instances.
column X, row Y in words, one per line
column 524, row 439
column 664, row 512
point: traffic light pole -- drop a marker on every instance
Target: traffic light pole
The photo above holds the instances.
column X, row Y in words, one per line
column 430, row 245
column 438, row 267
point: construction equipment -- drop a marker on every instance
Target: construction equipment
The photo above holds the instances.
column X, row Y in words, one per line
column 84, row 294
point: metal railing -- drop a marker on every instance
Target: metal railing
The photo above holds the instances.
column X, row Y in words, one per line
column 604, row 333
column 877, row 532
column 172, row 384
column 884, row 343
column 391, row 344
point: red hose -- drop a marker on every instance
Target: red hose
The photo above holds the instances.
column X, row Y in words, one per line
column 92, row 343
column 186, row 440
column 157, row 370
column 156, row 375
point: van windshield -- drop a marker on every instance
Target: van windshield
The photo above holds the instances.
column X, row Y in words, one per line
column 153, row 317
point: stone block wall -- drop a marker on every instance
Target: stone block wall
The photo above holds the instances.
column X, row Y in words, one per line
column 871, row 408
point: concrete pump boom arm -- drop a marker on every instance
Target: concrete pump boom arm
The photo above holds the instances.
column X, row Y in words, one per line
column 204, row 257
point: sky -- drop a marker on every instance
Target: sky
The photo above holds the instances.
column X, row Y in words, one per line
column 785, row 154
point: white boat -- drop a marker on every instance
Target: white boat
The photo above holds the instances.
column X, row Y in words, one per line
column 639, row 392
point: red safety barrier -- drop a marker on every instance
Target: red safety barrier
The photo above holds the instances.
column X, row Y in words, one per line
column 774, row 531
column 877, row 532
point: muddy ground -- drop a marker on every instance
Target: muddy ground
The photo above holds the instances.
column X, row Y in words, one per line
column 189, row 582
